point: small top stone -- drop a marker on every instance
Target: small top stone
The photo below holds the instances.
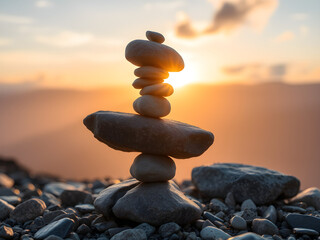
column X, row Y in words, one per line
column 155, row 36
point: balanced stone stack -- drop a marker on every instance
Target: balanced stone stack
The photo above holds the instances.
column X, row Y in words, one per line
column 152, row 73
column 153, row 198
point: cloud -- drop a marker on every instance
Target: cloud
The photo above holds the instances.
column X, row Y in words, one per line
column 278, row 70
column 230, row 16
column 257, row 71
column 65, row 39
column 6, row 18
column 284, row 37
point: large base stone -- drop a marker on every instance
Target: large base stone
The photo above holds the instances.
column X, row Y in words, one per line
column 153, row 203
column 135, row 133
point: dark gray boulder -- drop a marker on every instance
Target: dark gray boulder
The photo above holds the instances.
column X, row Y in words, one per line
column 244, row 181
column 156, row 204
column 135, row 133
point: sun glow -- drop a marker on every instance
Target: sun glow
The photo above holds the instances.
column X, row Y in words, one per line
column 179, row 79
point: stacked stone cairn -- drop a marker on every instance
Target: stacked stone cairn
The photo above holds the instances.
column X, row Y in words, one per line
column 151, row 197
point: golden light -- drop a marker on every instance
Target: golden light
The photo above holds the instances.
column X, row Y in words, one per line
column 186, row 76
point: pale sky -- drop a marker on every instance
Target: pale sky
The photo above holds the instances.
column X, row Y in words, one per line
column 80, row 43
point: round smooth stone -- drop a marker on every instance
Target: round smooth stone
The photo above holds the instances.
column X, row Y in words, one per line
column 160, row 89
column 149, row 72
column 148, row 53
column 152, row 106
column 141, row 82
column 153, row 168
column 155, row 36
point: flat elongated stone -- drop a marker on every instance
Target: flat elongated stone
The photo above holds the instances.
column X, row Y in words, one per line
column 134, row 133
column 153, row 168
column 150, row 72
column 152, row 106
column 141, row 83
column 148, row 53
column 156, row 204
column 161, row 89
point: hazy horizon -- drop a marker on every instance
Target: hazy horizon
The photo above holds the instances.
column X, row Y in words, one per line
column 271, row 125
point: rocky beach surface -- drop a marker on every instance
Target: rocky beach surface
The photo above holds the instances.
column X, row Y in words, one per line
column 260, row 204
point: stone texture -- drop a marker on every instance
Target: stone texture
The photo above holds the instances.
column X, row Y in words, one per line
column 160, row 89
column 149, row 72
column 108, row 197
column 152, row 106
column 264, row 226
column 212, row 233
column 28, row 210
column 132, row 234
column 238, row 222
column 296, row 220
column 74, row 197
column 5, row 209
column 155, row 36
column 217, row 205
column 141, row 82
column 270, row 214
column 131, row 132
column 153, row 168
column 148, row 53
column 147, row 228
column 60, row 228
column 310, row 196
column 244, row 181
column 167, row 229
column 248, row 204
column 156, row 204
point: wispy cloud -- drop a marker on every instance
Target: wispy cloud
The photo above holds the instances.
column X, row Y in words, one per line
column 257, row 71
column 6, row 18
column 43, row 4
column 65, row 39
column 284, row 37
column 230, row 16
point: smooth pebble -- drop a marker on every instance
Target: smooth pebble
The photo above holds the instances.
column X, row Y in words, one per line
column 152, row 106
column 161, row 89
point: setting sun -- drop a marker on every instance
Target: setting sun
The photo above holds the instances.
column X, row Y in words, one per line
column 179, row 79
